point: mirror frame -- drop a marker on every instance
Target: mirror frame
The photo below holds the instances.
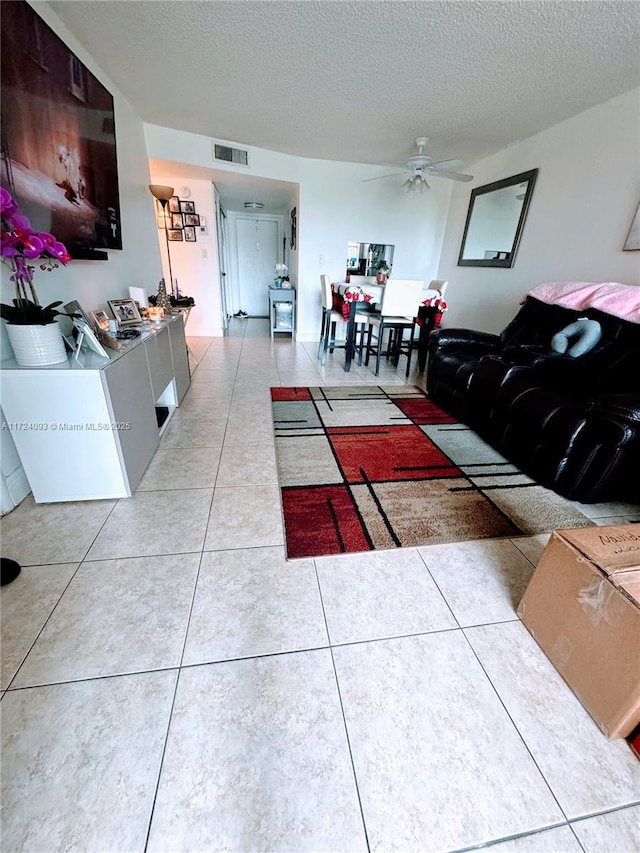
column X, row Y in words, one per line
column 530, row 178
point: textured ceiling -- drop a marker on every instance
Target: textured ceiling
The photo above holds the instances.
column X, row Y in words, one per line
column 355, row 80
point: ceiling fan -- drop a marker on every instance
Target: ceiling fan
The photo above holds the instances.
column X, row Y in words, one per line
column 420, row 165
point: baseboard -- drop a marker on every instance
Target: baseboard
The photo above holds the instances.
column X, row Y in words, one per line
column 15, row 488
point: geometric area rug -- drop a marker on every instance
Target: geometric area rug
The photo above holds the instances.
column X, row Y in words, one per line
column 367, row 467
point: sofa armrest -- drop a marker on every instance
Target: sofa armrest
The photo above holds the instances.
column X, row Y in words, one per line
column 465, row 338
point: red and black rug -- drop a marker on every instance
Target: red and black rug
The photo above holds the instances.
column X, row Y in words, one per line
column 372, row 467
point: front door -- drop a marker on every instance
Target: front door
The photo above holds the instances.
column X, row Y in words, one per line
column 257, row 245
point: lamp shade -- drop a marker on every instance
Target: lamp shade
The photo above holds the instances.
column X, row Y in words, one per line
column 161, row 192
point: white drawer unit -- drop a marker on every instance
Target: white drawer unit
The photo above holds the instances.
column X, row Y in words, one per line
column 88, row 428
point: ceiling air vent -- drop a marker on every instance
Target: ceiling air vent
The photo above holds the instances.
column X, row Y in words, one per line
column 238, row 156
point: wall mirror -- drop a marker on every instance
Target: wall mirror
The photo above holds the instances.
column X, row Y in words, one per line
column 362, row 258
column 495, row 220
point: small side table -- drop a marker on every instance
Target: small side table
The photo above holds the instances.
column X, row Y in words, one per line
column 282, row 310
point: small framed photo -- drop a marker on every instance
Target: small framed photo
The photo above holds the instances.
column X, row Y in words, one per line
column 187, row 207
column 174, row 204
column 175, row 234
column 125, row 312
column 75, row 308
column 191, row 219
column 89, row 339
column 101, row 320
column 189, row 233
column 177, row 221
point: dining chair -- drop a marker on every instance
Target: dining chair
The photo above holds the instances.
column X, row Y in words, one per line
column 330, row 317
column 437, row 287
column 398, row 311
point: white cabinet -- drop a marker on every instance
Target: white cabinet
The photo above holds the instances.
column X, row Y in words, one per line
column 180, row 358
column 87, row 429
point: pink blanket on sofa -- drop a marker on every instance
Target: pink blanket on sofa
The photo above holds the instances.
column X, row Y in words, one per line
column 620, row 300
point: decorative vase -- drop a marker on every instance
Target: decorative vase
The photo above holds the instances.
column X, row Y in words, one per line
column 35, row 346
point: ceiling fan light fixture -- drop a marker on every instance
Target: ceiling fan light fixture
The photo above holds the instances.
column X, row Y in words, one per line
column 253, row 205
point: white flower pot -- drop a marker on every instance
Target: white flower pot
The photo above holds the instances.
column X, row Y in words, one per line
column 34, row 346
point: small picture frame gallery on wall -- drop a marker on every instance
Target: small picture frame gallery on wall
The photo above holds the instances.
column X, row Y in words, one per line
column 187, row 206
column 176, row 221
column 174, row 204
column 189, row 234
column 175, row 235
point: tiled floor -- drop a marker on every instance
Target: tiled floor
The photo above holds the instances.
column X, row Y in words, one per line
column 173, row 683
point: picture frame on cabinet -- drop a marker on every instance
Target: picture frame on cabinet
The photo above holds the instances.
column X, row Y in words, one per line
column 190, row 233
column 125, row 312
column 101, row 320
column 86, row 335
column 74, row 307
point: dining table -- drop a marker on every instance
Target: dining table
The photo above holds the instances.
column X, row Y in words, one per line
column 355, row 298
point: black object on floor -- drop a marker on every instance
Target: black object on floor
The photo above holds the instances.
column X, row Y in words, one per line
column 162, row 413
column 9, row 570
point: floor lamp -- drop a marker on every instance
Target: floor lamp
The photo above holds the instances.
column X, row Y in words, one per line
column 163, row 194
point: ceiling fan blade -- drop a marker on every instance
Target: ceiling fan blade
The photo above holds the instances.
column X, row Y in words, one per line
column 447, row 164
column 366, row 180
column 454, row 176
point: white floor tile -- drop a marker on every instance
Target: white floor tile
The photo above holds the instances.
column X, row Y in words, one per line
column 39, row 534
column 254, row 602
column 143, row 605
column 439, row 763
column 532, row 546
column 558, row 840
column 481, row 581
column 81, row 761
column 380, row 594
column 616, row 831
column 257, row 759
column 26, row 604
column 151, row 523
column 244, row 517
column 586, row 771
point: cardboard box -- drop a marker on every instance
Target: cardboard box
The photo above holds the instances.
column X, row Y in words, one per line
column 582, row 607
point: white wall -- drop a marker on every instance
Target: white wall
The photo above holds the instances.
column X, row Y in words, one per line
column 93, row 282
column 585, row 197
column 334, row 207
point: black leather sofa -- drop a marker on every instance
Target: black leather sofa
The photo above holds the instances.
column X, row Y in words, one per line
column 572, row 424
